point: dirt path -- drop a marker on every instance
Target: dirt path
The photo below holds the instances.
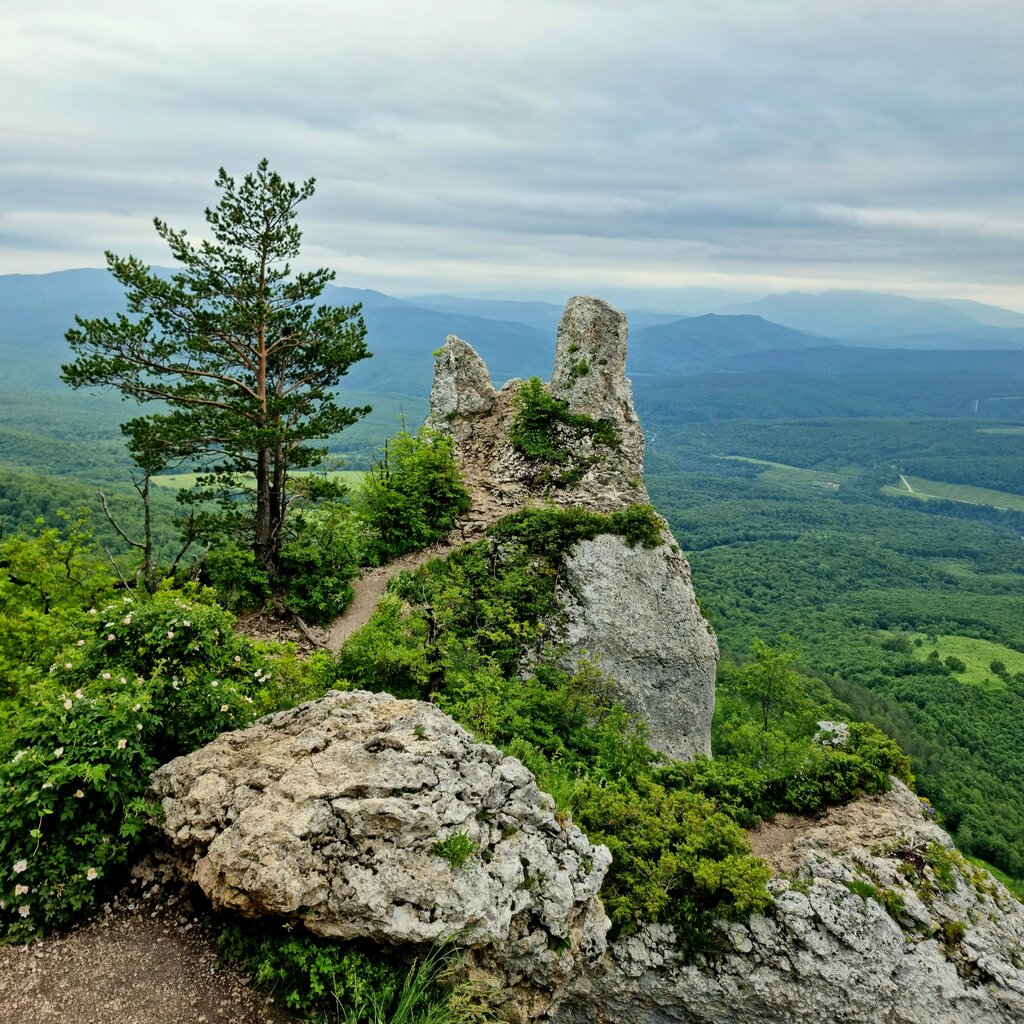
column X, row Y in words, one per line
column 906, row 484
column 369, row 589
column 144, row 959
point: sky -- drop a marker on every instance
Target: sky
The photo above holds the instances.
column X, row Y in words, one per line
column 535, row 146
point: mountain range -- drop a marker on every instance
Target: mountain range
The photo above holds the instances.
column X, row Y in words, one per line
column 516, row 338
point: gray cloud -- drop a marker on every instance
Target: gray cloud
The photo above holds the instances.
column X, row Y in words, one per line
column 746, row 143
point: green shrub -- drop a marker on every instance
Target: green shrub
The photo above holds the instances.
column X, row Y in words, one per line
column 234, row 573
column 543, row 423
column 413, row 494
column 552, row 532
column 319, row 563
column 144, row 682
column 676, row 858
column 327, row 981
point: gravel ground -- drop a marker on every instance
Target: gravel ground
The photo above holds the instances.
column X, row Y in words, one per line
column 145, row 958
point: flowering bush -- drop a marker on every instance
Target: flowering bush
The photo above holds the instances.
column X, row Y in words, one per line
column 142, row 683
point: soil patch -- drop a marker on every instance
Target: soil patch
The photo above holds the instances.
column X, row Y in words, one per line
column 146, row 958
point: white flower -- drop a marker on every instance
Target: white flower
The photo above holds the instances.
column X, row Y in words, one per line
column 170, row 634
column 67, row 664
column 81, row 643
column 79, row 694
column 21, row 890
column 223, row 707
column 123, row 679
column 78, row 794
column 19, row 866
column 46, row 785
column 92, row 611
column 67, row 704
column 186, row 622
column 58, row 751
column 139, row 727
column 106, row 675
column 90, row 874
column 18, row 756
column 238, row 657
column 138, row 707
column 121, row 744
column 248, row 700
column 215, row 683
column 23, row 910
column 110, row 636
column 127, row 620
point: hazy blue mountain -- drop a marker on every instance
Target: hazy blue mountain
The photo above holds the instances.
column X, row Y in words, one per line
column 702, row 342
column 973, row 339
column 37, row 309
column 991, row 316
column 542, row 315
column 856, row 314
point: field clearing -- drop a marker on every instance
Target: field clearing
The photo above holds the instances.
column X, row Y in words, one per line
column 351, row 477
column 931, row 490
column 976, row 654
column 791, row 477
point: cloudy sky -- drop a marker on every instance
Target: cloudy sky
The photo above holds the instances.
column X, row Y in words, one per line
column 535, row 146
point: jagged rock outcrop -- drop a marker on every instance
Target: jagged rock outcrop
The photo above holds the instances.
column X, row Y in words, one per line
column 589, row 374
column 949, row 948
column 332, row 813
column 633, row 609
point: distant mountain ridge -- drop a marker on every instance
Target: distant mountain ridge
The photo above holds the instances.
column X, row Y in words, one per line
column 517, row 338
column 864, row 315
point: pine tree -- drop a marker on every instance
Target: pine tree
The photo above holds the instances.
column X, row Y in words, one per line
column 236, row 349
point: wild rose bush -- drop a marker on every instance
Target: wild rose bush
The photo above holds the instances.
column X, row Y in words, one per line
column 143, row 682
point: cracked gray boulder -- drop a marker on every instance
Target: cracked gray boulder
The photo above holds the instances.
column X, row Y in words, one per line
column 332, row 813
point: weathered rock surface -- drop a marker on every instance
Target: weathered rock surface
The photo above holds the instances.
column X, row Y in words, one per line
column 590, row 373
column 954, row 954
column 330, row 814
column 464, row 404
column 462, row 385
column 634, row 611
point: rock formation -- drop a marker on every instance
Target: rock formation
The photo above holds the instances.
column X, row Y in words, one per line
column 631, row 609
column 939, row 941
column 589, row 374
column 360, row 815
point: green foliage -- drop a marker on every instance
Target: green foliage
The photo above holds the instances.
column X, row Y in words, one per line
column 327, row 981
column 320, row 561
column 543, row 425
column 414, row 493
column 48, row 577
column 143, row 682
column 676, row 858
column 240, row 581
column 552, row 531
column 456, row 849
column 232, row 345
column 767, row 681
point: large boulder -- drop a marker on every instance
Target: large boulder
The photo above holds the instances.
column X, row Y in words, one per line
column 363, row 816
column 633, row 610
